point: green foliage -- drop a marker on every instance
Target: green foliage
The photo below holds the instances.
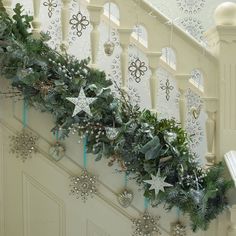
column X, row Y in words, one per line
column 144, row 143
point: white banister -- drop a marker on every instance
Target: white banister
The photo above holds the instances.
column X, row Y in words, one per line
column 124, row 56
column 232, row 227
column 210, row 108
column 36, row 21
column 182, row 81
column 65, row 19
column 154, row 59
column 95, row 13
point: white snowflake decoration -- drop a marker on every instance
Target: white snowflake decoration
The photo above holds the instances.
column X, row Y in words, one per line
column 23, row 145
column 84, row 185
column 146, row 225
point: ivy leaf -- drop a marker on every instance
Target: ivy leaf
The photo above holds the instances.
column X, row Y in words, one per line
column 152, row 149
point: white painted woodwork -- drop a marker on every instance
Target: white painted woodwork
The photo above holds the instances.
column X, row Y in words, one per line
column 154, row 59
column 232, row 227
column 124, row 35
column 65, row 26
column 211, row 108
column 36, row 21
column 95, row 13
column 230, row 159
column 182, row 80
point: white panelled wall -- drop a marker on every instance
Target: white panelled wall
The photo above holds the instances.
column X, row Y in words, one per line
column 193, row 84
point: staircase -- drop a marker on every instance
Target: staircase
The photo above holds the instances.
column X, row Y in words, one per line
column 184, row 80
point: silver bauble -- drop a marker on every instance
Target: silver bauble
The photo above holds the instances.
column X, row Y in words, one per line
column 109, row 48
column 57, row 151
column 111, row 133
column 125, row 198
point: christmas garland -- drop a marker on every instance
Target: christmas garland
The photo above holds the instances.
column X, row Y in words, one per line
column 154, row 152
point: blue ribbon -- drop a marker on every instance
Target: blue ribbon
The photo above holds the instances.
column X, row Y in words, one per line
column 57, row 134
column 146, row 203
column 25, row 113
column 85, row 151
column 178, row 213
column 126, row 179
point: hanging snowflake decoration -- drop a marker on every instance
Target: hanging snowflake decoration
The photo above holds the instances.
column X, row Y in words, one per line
column 137, row 69
column 190, row 6
column 23, row 145
column 178, row 229
column 84, row 185
column 146, row 225
column 51, row 4
column 167, row 87
column 79, row 22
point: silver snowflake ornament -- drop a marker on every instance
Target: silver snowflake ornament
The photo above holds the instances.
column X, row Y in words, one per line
column 81, row 103
column 177, row 229
column 146, row 225
column 157, row 183
column 79, row 22
column 51, row 5
column 137, row 69
column 23, row 145
column 84, row 185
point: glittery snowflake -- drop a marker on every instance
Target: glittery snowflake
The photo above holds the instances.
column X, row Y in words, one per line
column 190, row 6
column 23, row 145
column 178, row 229
column 146, row 225
column 84, row 185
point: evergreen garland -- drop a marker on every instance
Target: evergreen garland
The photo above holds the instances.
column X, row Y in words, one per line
column 144, row 143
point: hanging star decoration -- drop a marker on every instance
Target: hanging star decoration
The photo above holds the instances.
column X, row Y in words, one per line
column 83, row 186
column 79, row 22
column 146, row 225
column 81, row 103
column 177, row 229
column 157, row 183
column 51, row 4
column 137, row 69
column 23, row 145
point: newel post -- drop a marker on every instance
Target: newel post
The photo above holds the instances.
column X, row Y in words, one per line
column 182, row 81
column 154, row 59
column 222, row 41
column 95, row 13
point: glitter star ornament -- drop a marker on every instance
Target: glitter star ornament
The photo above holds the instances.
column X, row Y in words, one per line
column 81, row 103
column 84, row 185
column 177, row 229
column 157, row 183
column 146, row 225
column 23, row 145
